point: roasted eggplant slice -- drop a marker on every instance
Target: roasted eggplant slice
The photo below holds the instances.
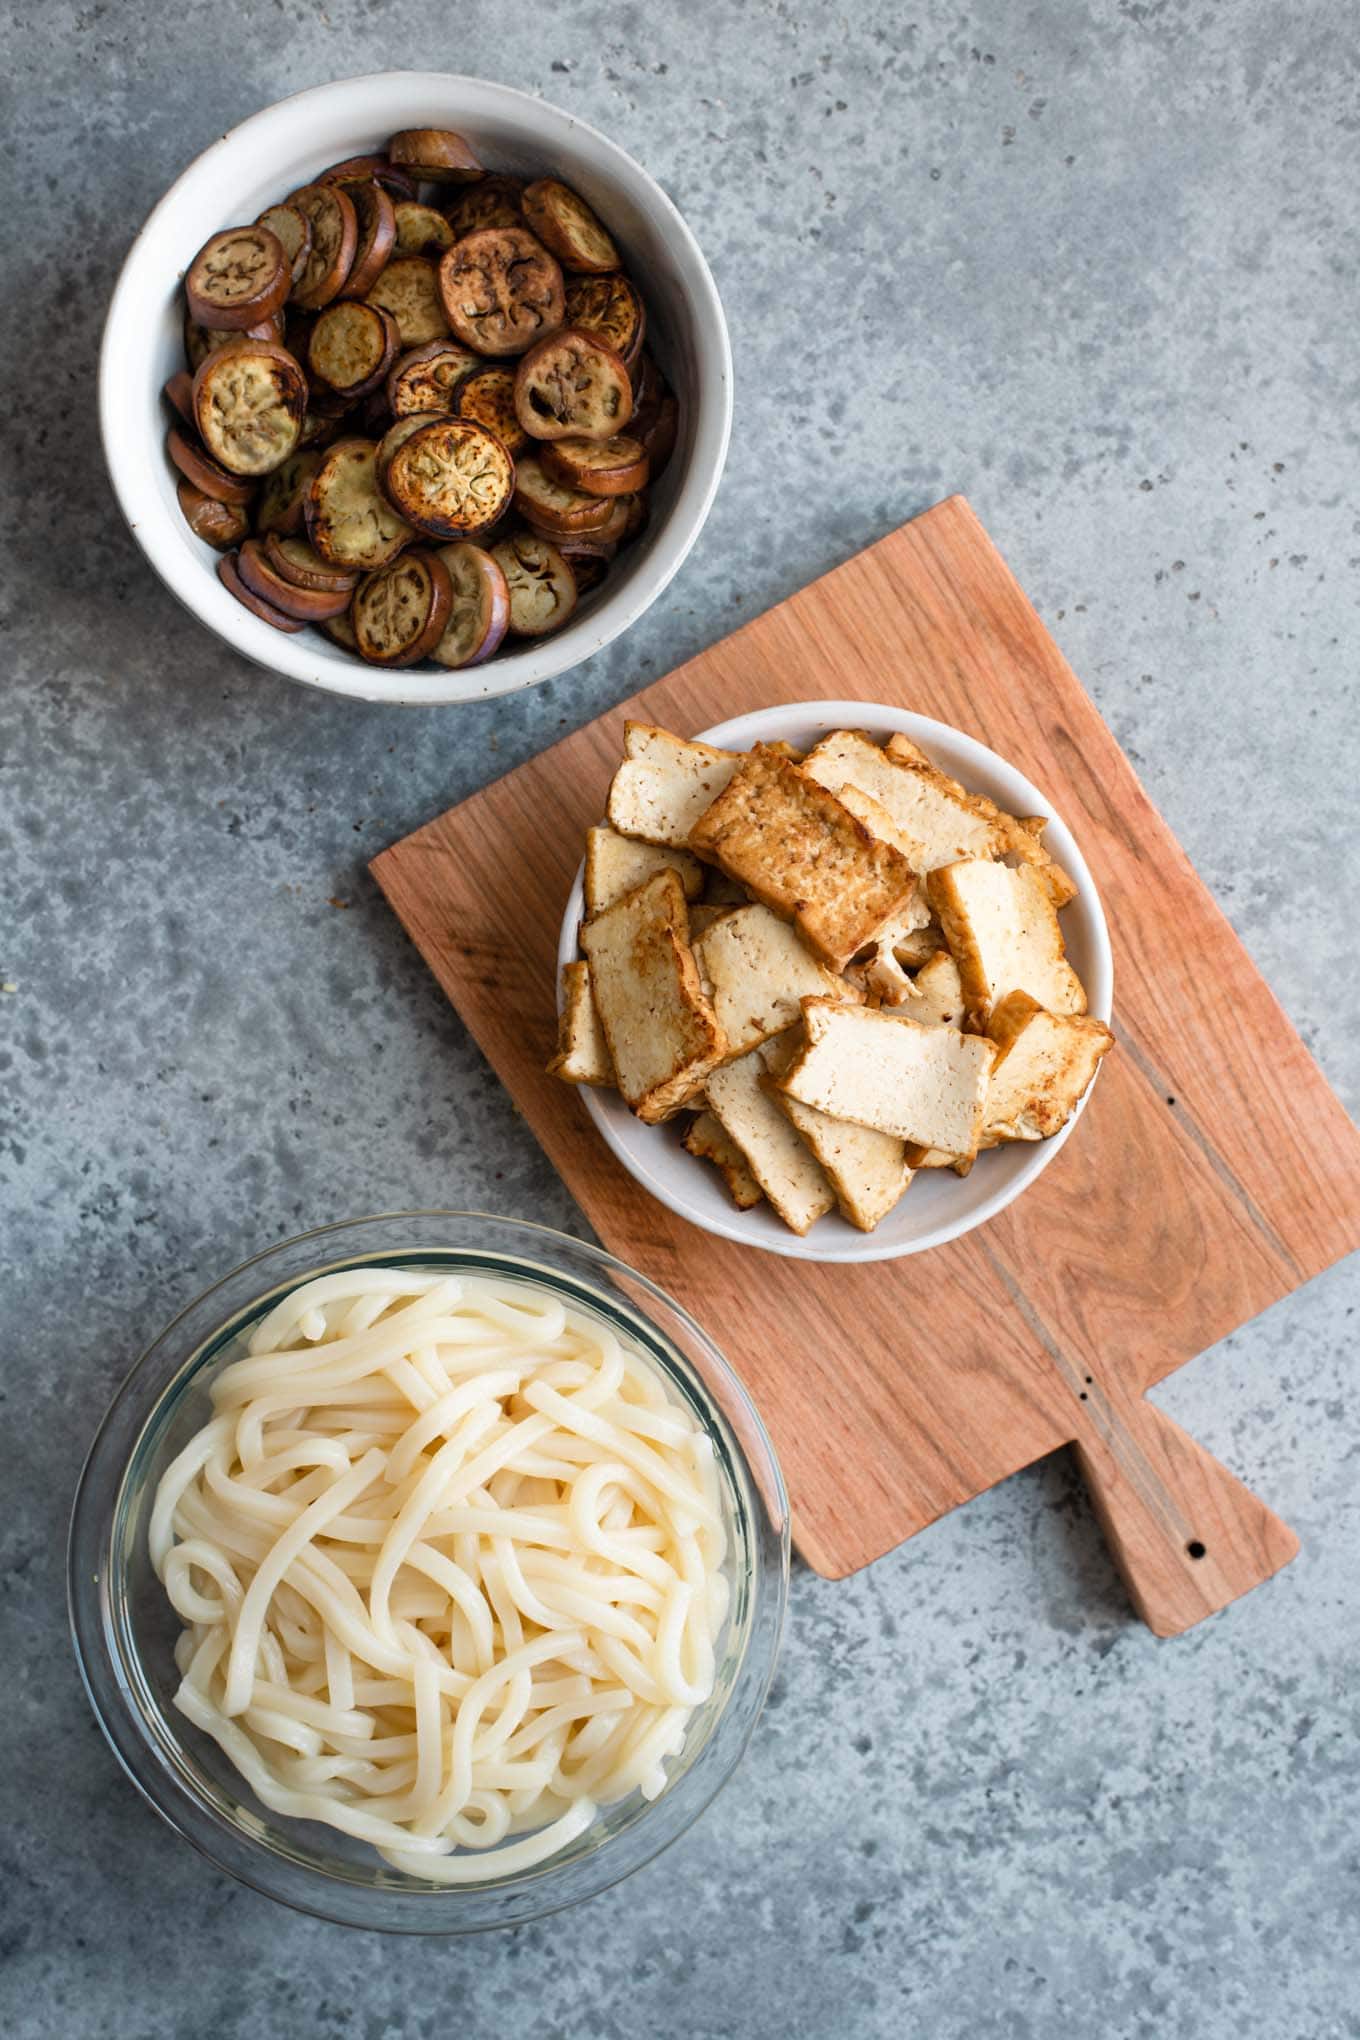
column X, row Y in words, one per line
column 249, row 402
column 293, row 230
column 237, row 278
column 220, row 524
column 545, row 503
column 204, row 472
column 377, row 234
column 487, row 396
column 610, row 308
column 283, row 498
column 571, row 386
column 420, row 230
column 480, row 612
column 541, row 584
column 501, row 289
column 399, row 183
column 452, row 478
column 230, row 578
column 602, row 467
column 427, row 378
column 495, row 202
column 335, row 236
column 349, row 520
column 352, row 347
column 409, row 290
column 262, row 577
column 399, row 614
column 434, row 156
column 302, row 564
column 565, row 224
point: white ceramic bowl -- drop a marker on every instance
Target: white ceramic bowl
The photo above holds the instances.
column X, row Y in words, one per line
column 287, row 145
column 939, row 1205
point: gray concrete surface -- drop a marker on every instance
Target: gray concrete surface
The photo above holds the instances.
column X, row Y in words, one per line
column 1093, row 263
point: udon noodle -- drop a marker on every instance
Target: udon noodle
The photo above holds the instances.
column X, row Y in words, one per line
column 448, row 1557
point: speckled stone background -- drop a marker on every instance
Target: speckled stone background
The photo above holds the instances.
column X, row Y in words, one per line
column 1093, row 263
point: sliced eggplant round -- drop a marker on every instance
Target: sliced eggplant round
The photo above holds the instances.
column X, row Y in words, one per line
column 409, row 290
column 352, row 347
column 427, row 378
column 487, row 396
column 618, row 529
column 495, row 202
column 397, row 435
column 588, row 569
column 658, row 433
column 237, row 278
column 261, row 576
column 399, row 183
column 249, row 402
column 201, row 341
column 565, row 224
column 302, row 564
column 502, row 290
column 283, row 498
column 601, row 467
column 541, row 584
column 544, row 502
column 420, row 230
column 204, row 472
column 611, row 308
column 452, row 478
column 293, row 230
column 377, row 234
column 322, row 427
column 434, row 156
column 179, row 395
column 220, row 524
column 229, row 576
column 399, row 614
column 637, row 515
column 571, row 386
column 349, row 520
column 480, row 613
column 340, row 631
column 335, row 235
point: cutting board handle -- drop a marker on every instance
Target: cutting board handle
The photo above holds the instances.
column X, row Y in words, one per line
column 1188, row 1537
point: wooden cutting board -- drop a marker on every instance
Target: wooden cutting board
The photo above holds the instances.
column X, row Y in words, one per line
column 1213, row 1172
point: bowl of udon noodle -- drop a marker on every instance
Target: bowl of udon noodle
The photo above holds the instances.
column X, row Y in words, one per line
column 428, row 1572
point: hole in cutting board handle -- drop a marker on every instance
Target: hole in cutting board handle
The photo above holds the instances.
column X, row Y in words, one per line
column 1196, row 1549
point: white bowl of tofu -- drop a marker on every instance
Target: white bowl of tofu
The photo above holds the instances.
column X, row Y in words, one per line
column 834, row 979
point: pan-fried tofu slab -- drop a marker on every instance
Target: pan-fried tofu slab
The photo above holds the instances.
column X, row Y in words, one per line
column 757, row 973
column 707, row 1139
column 927, row 1085
column 662, row 1032
column 867, row 1170
column 933, row 810
column 786, row 1170
column 665, row 783
column 937, row 995
column 949, row 821
column 1044, row 1064
column 1002, row 930
column 582, row 1051
column 615, row 864
column 805, row 856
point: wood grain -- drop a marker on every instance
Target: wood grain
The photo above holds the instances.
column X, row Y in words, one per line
column 1213, row 1172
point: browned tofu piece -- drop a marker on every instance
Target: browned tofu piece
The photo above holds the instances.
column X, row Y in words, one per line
column 662, row 1033
column 709, row 1139
column 801, row 853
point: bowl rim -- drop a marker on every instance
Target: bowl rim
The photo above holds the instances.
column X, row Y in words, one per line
column 227, row 1844
column 299, row 658
column 765, row 724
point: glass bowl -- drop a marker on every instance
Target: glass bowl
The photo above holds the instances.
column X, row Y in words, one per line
column 124, row 1628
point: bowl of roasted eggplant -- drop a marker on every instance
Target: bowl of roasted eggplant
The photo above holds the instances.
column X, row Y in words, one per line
column 415, row 388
